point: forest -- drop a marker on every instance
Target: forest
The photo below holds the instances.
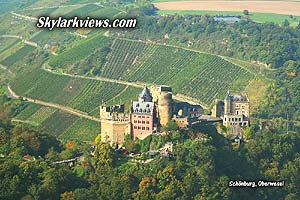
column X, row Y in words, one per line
column 202, row 164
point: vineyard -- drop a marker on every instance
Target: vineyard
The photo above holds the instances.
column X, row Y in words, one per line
column 84, row 11
column 42, row 114
column 81, row 130
column 18, row 55
column 198, row 75
column 7, row 43
column 82, row 94
column 123, row 56
column 28, row 110
column 53, row 38
column 58, row 123
column 63, row 125
column 94, row 93
column 82, row 50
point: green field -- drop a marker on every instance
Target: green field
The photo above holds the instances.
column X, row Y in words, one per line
column 257, row 17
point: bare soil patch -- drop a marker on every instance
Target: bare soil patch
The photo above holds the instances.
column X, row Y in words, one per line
column 278, row 7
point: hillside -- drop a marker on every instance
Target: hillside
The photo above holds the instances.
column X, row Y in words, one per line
column 62, row 125
column 82, row 94
column 191, row 73
column 80, row 69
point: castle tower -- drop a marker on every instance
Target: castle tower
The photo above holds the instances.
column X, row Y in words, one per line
column 115, row 124
column 165, row 110
column 142, row 115
column 218, row 108
column 145, row 95
column 227, row 104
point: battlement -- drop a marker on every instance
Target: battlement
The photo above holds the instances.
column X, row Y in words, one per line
column 114, row 113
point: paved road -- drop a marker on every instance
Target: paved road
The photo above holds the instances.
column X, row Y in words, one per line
column 53, row 105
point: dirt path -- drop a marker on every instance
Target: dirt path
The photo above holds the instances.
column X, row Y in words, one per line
column 53, row 105
column 5, row 69
column 278, row 7
column 21, row 38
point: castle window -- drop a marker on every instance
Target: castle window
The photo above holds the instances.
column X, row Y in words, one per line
column 147, row 128
column 147, row 122
column 139, row 121
column 143, row 122
column 134, row 127
column 143, row 128
column 139, row 127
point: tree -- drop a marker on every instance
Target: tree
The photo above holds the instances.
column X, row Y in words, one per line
column 286, row 23
column 104, row 156
column 171, row 126
column 246, row 12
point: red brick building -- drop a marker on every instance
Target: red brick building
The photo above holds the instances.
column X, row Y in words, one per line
column 142, row 115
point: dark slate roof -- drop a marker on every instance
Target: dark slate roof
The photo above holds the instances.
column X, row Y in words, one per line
column 142, row 107
column 145, row 95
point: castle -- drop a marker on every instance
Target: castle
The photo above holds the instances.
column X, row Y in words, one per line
column 153, row 109
column 234, row 110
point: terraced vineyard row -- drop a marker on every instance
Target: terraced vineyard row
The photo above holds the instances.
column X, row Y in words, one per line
column 7, row 43
column 18, row 55
column 53, row 38
column 58, row 122
column 215, row 80
column 94, row 93
column 82, row 94
column 81, row 130
column 120, row 59
column 82, row 50
column 63, row 125
column 83, row 11
column 194, row 74
column 28, row 110
column 42, row 114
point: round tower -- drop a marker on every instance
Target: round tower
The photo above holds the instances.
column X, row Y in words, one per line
column 165, row 104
